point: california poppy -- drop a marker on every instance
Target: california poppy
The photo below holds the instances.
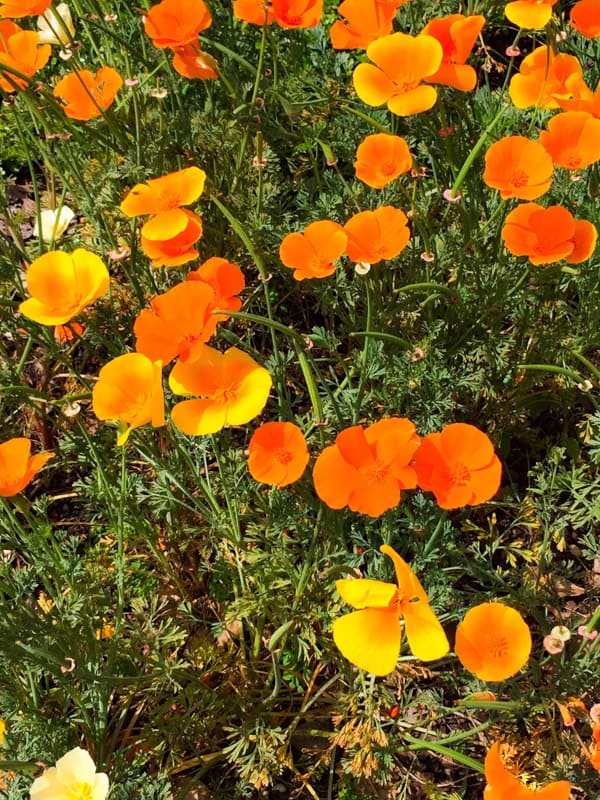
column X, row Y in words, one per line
column 585, row 18
column 367, row 468
column 129, row 389
column 62, row 285
column 493, row 641
column 23, row 8
column 501, row 784
column 582, row 99
column 530, row 13
column 226, row 280
column 255, row 11
column 286, row 13
column 401, row 64
column 544, row 78
column 176, row 23
column 364, row 21
column 518, row 167
column 297, row 13
column 457, row 34
column 277, row 453
column 547, row 235
column 178, row 322
column 55, row 26
column 377, row 235
column 191, row 62
column 17, row 466
column 233, row 387
column 458, row 465
column 168, row 237
column 170, row 191
column 311, row 254
column 73, row 776
column 572, row 139
column 86, row 95
column 19, row 50
column 370, row 638
column 381, row 158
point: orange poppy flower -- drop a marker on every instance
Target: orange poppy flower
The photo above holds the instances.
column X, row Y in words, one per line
column 585, row 18
column 87, row 95
column 365, row 21
column 367, row 468
column 129, row 389
column 370, row 638
column 530, row 13
column 457, row 34
column 174, row 190
column 62, row 285
column 168, row 237
column 458, row 465
column 518, row 167
column 572, row 139
column 582, row 98
column 191, row 62
column 233, row 386
column 503, row 785
column 23, row 8
column 381, row 158
column 20, row 50
column 297, row 13
column 226, row 280
column 179, row 322
column 311, row 254
column 544, row 79
column 547, row 235
column 493, row 641
column 175, row 23
column 402, row 62
column 277, row 453
column 376, row 235
column 253, row 11
column 17, row 466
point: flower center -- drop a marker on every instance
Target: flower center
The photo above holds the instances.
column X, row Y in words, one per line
column 498, row 646
column 459, row 475
column 388, row 168
column 80, row 791
column 519, row 178
column 282, row 455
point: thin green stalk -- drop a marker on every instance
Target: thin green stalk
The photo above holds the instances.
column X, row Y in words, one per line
column 364, row 362
column 475, row 152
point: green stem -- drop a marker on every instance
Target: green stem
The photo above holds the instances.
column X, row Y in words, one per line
column 475, row 152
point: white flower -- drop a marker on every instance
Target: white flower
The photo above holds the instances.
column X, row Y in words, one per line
column 54, row 223
column 54, row 24
column 73, row 778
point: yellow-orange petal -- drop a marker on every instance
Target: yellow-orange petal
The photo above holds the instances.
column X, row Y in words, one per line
column 370, row 639
column 199, row 417
column 366, row 593
column 534, row 14
column 372, row 85
column 424, row 633
column 415, row 101
column 170, row 191
column 584, row 240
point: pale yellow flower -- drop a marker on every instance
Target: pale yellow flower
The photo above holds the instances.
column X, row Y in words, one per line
column 55, row 26
column 54, row 223
column 73, row 778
